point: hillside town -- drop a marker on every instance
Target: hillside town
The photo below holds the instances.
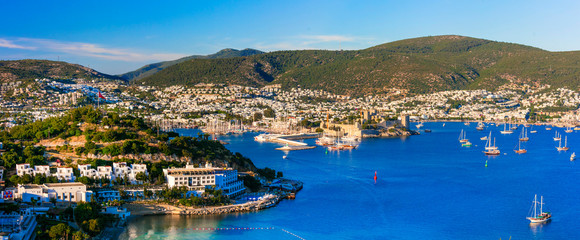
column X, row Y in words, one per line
column 272, row 108
column 222, row 109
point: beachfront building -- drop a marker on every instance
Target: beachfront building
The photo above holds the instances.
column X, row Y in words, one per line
column 227, row 180
column 62, row 192
column 105, row 195
column 65, row 174
column 197, row 179
column 18, row 226
column 120, row 212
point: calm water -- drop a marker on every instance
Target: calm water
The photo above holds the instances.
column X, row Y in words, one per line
column 429, row 187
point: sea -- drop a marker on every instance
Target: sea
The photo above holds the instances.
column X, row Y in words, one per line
column 428, row 187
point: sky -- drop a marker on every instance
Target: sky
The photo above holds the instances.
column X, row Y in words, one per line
column 115, row 37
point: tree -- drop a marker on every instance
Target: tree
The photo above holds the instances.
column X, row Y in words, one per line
column 59, row 231
column 257, row 116
column 269, row 113
column 79, row 235
column 141, row 176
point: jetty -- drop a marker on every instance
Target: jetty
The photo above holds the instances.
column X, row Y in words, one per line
column 288, row 141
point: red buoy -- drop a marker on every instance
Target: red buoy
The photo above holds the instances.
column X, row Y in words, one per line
column 375, row 177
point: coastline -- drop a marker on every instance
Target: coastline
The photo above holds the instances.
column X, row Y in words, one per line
column 150, row 208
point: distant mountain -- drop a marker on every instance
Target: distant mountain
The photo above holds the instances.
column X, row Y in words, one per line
column 425, row 64
column 31, row 69
column 153, row 68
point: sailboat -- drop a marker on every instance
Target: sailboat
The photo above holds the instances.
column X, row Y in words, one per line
column 480, row 126
column 488, row 144
column 520, row 149
column 573, row 156
column 564, row 148
column 568, row 130
column 491, row 150
column 463, row 137
column 506, row 130
column 557, row 137
column 524, row 135
column 539, row 216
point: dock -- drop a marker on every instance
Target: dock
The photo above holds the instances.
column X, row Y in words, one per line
column 292, row 148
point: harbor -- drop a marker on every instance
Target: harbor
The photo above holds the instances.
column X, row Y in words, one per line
column 418, row 178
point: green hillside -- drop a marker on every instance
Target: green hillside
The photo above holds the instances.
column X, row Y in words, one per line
column 153, row 68
column 424, row 64
column 31, row 69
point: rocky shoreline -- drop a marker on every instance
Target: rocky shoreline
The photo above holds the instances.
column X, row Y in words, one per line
column 145, row 209
column 391, row 132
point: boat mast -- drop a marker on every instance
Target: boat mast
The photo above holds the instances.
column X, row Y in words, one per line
column 541, row 204
column 535, row 203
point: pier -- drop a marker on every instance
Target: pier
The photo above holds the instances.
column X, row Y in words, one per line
column 288, row 141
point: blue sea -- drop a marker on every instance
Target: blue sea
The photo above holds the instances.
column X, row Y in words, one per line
column 429, row 187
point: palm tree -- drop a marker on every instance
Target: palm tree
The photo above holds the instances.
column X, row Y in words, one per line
column 33, row 201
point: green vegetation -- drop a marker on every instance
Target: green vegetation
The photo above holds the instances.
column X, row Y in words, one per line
column 32, row 69
column 420, row 65
column 153, row 68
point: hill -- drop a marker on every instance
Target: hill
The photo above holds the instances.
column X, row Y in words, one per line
column 31, row 69
column 153, row 68
column 425, row 64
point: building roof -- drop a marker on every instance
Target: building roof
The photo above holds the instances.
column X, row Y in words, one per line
column 30, row 186
column 71, row 184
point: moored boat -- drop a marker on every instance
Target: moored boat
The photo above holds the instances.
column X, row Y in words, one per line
column 565, row 147
column 480, row 126
column 539, row 216
column 463, row 137
column 524, row 135
column 506, row 129
column 520, row 150
column 491, row 150
column 573, row 156
column 557, row 137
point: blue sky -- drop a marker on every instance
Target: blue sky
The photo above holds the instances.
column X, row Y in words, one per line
column 119, row 36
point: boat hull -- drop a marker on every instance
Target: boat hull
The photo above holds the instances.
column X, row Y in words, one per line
column 539, row 220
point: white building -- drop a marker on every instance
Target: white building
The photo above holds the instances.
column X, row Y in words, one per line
column 121, row 170
column 135, row 169
column 197, row 179
column 105, row 172
column 227, row 181
column 65, row 174
column 42, row 169
column 24, row 168
column 62, row 192
column 86, row 171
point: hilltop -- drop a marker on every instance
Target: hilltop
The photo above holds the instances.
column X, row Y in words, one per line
column 153, row 68
column 30, row 69
column 420, row 65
